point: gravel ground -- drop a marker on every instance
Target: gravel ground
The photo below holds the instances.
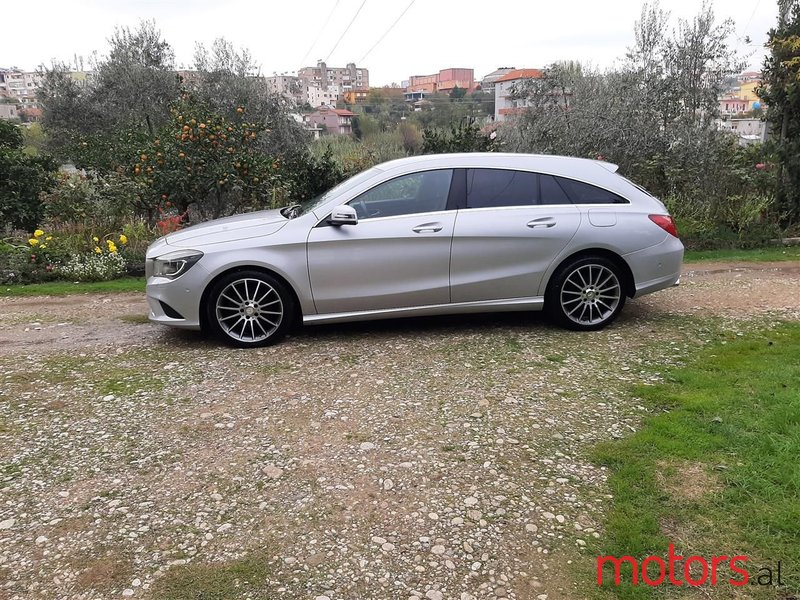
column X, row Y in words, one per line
column 431, row 458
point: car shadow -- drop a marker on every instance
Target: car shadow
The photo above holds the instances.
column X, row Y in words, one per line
column 510, row 322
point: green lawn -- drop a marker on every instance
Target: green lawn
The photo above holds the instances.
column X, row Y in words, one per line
column 716, row 472
column 773, row 253
column 62, row 288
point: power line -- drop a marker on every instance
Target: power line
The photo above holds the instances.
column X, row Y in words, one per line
column 346, row 29
column 385, row 33
column 324, row 25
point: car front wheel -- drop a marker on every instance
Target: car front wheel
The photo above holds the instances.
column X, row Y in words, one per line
column 586, row 294
column 249, row 309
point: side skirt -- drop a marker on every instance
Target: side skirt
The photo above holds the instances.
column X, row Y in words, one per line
column 533, row 303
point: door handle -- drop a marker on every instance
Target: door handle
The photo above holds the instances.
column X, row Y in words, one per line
column 427, row 228
column 542, row 222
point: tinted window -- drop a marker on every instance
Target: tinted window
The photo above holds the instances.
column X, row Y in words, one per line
column 498, row 187
column 584, row 193
column 550, row 192
column 414, row 193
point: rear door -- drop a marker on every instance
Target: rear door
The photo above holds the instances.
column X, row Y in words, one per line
column 509, row 227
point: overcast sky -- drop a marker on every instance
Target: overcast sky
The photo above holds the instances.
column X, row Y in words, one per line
column 433, row 34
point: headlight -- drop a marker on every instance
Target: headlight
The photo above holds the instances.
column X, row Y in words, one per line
column 175, row 264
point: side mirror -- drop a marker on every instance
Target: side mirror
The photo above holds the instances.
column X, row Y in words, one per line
column 343, row 215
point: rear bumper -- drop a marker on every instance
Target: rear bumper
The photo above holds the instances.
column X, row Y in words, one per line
column 657, row 267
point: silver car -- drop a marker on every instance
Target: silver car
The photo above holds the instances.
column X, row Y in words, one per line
column 427, row 235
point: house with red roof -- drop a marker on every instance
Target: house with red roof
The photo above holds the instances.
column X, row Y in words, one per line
column 505, row 105
column 336, row 121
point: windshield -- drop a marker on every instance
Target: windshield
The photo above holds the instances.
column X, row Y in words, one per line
column 312, row 204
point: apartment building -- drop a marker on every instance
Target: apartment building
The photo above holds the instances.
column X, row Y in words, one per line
column 19, row 85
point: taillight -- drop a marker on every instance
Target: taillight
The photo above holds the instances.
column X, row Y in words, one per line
column 666, row 223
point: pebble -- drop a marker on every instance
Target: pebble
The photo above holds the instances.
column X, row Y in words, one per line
column 41, row 540
column 272, row 471
column 366, row 446
column 438, row 549
column 388, row 484
column 7, row 524
column 433, row 595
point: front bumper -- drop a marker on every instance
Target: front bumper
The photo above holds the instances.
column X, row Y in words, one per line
column 172, row 298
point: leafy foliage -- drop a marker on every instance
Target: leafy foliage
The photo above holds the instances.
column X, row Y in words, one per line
column 22, row 179
column 207, row 162
column 465, row 136
column 781, row 93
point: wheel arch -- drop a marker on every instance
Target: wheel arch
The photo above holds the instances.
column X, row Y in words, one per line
column 237, row 269
column 628, row 281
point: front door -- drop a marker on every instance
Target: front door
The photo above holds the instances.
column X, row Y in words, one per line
column 396, row 256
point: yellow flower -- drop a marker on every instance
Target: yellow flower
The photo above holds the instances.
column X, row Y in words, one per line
column 48, row 238
column 95, row 239
column 97, row 250
column 123, row 239
column 38, row 233
column 43, row 246
column 33, row 242
column 112, row 247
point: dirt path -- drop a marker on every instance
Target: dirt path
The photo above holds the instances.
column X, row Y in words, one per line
column 428, row 458
column 115, row 320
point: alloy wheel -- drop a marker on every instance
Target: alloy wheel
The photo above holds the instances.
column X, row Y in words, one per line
column 249, row 310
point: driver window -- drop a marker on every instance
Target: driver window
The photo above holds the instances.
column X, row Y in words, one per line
column 414, row 193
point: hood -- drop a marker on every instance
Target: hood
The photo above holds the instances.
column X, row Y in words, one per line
column 237, row 227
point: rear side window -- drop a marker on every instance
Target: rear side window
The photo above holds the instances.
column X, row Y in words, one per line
column 551, row 192
column 492, row 188
column 584, row 193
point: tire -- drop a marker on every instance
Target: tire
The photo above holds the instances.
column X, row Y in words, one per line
column 586, row 294
column 250, row 309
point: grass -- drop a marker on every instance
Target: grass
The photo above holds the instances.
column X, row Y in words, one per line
column 64, row 288
column 221, row 581
column 731, row 419
column 775, row 253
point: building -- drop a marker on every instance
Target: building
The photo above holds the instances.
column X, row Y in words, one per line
column 19, row 85
column 285, row 85
column 444, row 82
column 488, row 82
column 505, row 105
column 318, row 97
column 733, row 105
column 749, row 130
column 322, row 76
column 9, row 111
column 336, row 121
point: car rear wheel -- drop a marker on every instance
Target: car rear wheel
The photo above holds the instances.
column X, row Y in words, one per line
column 586, row 294
column 249, row 309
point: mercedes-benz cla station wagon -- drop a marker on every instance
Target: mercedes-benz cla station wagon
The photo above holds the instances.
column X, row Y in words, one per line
column 427, row 235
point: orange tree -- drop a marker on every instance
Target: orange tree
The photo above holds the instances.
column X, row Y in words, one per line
column 207, row 163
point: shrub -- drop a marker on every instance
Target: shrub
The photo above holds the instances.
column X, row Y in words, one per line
column 93, row 267
column 22, row 179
